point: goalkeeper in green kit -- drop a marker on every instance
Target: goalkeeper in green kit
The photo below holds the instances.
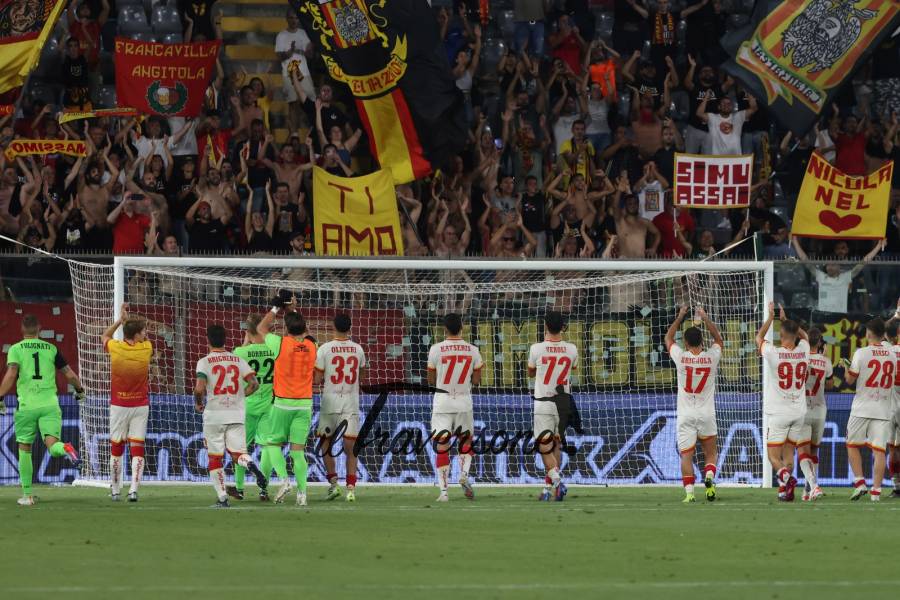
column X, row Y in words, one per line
column 31, row 366
column 262, row 360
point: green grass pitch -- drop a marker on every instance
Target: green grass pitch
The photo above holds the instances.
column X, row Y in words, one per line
column 399, row 543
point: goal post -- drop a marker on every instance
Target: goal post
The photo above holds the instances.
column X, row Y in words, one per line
column 617, row 313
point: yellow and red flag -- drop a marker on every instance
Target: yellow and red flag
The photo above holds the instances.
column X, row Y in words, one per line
column 832, row 204
column 25, row 26
column 391, row 56
column 356, row 216
column 28, row 147
column 796, row 53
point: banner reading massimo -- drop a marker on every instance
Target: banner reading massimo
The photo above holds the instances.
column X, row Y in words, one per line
column 164, row 79
column 712, row 181
column 795, row 54
column 832, row 204
column 356, row 216
column 28, row 147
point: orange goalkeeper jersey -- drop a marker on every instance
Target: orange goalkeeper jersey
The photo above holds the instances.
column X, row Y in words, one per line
column 295, row 361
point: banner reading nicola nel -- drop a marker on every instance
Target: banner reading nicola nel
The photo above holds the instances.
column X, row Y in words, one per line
column 832, row 204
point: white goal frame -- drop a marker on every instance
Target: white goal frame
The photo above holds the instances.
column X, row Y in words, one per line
column 766, row 268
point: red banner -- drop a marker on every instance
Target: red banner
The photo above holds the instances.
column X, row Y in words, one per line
column 164, row 79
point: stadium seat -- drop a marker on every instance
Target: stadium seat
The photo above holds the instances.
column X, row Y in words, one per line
column 682, row 105
column 133, row 20
column 144, row 36
column 506, row 24
column 171, row 38
column 165, row 19
column 105, row 97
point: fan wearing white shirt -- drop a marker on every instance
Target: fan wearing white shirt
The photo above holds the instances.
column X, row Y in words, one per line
column 551, row 363
column 696, row 369
column 340, row 365
column 787, row 366
column 818, row 378
column 454, row 366
column 726, row 126
column 873, row 368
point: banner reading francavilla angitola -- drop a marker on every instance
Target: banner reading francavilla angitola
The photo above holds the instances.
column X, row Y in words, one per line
column 164, row 79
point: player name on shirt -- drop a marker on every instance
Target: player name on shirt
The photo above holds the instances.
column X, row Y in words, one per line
column 696, row 360
column 33, row 345
column 259, row 353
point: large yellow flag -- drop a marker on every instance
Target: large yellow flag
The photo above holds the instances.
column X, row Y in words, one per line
column 832, row 204
column 25, row 26
column 356, row 216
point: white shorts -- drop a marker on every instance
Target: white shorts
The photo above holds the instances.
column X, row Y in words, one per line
column 329, row 422
column 128, row 423
column 692, row 427
column 783, row 429
column 862, row 431
column 544, row 422
column 812, row 429
column 450, row 421
column 222, row 437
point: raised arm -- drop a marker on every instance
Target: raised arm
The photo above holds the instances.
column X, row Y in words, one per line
column 639, row 8
column 674, row 327
column 111, row 330
column 701, row 109
column 761, row 334
column 879, row 246
column 713, row 329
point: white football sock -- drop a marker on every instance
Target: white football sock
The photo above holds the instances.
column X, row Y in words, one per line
column 554, row 475
column 465, row 463
column 137, row 471
column 809, row 471
column 244, row 460
column 444, row 477
column 115, row 474
column 217, row 476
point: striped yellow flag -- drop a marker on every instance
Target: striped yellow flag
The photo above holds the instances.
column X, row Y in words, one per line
column 25, row 26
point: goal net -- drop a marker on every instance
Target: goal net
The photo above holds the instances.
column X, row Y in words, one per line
column 618, row 313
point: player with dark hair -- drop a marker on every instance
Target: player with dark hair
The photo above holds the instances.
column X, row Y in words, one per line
column 291, row 413
column 219, row 393
column 454, row 366
column 696, row 369
column 340, row 364
column 818, row 378
column 258, row 404
column 787, row 365
column 551, row 363
column 129, row 409
column 31, row 366
column 873, row 369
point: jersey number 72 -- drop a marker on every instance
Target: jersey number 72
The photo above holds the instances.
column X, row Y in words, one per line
column 563, row 363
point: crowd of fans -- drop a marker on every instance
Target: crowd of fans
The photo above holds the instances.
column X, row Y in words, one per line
column 573, row 130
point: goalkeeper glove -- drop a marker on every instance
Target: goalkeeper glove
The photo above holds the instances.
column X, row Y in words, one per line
column 79, row 395
column 312, row 339
column 283, row 297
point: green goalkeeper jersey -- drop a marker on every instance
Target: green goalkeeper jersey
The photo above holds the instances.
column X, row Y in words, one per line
column 262, row 360
column 37, row 362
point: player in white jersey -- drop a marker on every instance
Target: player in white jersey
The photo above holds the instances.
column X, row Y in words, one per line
column 551, row 363
column 454, row 366
column 818, row 379
column 873, row 369
column 786, row 366
column 696, row 369
column 340, row 364
column 219, row 394
column 892, row 328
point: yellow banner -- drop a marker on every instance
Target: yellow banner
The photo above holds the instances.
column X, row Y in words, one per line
column 26, row 147
column 103, row 112
column 832, row 204
column 356, row 216
column 25, row 34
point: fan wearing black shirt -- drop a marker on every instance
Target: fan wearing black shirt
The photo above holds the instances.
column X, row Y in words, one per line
column 290, row 218
column 534, row 215
column 258, row 227
column 207, row 235
column 75, row 78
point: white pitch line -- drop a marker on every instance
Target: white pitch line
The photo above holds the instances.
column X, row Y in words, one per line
column 462, row 587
